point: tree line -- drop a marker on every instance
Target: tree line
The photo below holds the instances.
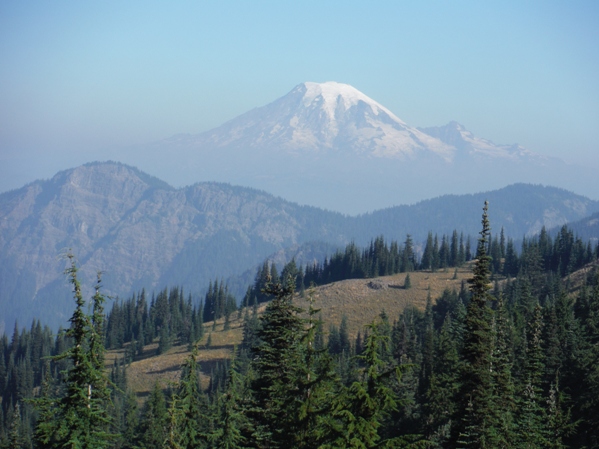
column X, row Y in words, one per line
column 504, row 362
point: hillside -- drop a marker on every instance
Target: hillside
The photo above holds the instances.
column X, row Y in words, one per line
column 360, row 300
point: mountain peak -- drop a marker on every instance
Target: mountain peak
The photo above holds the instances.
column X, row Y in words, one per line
column 324, row 118
column 466, row 143
column 332, row 95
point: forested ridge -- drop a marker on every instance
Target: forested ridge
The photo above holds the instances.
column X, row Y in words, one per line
column 508, row 361
column 144, row 233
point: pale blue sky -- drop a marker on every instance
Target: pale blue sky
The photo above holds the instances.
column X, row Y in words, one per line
column 77, row 78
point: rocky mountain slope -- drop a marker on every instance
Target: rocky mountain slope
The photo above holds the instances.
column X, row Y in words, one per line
column 134, row 228
column 140, row 232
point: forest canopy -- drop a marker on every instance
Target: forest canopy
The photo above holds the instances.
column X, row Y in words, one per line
column 510, row 360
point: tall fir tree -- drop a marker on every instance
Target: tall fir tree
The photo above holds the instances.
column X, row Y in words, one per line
column 360, row 410
column 474, row 426
column 79, row 419
column 275, row 362
column 154, row 423
column 532, row 416
column 189, row 417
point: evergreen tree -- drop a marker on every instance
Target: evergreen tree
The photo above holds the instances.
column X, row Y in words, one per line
column 230, row 422
column 15, row 432
column 165, row 342
column 475, row 427
column 586, row 385
column 154, row 424
column 275, row 362
column 79, row 418
column 426, row 262
column 344, row 344
column 286, row 356
column 189, row 423
column 503, row 383
column 532, row 417
column 362, row 408
column 440, row 401
column 407, row 283
column 408, row 260
column 454, row 250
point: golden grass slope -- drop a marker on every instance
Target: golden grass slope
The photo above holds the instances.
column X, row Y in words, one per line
column 360, row 300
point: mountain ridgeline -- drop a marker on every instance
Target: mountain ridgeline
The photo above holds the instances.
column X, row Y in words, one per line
column 141, row 232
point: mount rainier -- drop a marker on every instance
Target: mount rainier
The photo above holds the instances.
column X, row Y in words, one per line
column 329, row 145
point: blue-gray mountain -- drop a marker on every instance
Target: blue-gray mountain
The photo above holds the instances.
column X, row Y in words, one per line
column 331, row 146
column 143, row 233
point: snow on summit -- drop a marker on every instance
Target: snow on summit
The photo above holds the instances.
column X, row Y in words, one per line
column 319, row 139
column 336, row 118
column 335, row 94
column 466, row 143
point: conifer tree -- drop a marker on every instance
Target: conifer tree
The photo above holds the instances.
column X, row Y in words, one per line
column 231, row 423
column 15, row 437
column 474, row 419
column 360, row 411
column 440, row 401
column 587, row 388
column 286, row 356
column 503, row 384
column 532, row 417
column 153, row 427
column 131, row 420
column 275, row 361
column 316, row 383
column 79, row 419
column 408, row 260
column 189, row 423
column 427, row 255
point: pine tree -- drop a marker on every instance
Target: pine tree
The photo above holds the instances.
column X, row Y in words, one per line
column 427, row 255
column 440, row 401
column 79, row 419
column 408, row 260
column 474, row 422
column 344, row 344
column 407, row 283
column 131, row 420
column 532, row 417
column 587, row 379
column 154, row 423
column 230, row 421
column 503, row 383
column 275, row 361
column 316, row 381
column 360, row 411
column 165, row 342
column 15, row 437
column 189, row 409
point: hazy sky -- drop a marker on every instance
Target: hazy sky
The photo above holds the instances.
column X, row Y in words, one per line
column 77, row 78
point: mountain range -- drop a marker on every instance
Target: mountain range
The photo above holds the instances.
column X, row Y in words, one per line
column 141, row 232
column 331, row 146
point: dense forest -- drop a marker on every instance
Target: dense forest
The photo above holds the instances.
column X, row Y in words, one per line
column 510, row 360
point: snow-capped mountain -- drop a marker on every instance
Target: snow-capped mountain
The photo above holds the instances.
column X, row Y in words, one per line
column 329, row 145
column 467, row 144
column 326, row 117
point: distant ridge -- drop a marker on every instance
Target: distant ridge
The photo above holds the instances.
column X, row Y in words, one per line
column 141, row 232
